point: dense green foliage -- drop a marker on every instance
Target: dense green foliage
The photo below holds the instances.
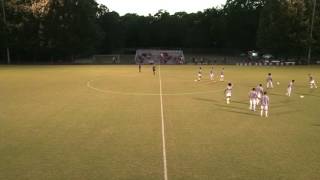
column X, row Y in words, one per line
column 49, row 30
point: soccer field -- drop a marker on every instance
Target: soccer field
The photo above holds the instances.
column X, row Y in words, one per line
column 106, row 122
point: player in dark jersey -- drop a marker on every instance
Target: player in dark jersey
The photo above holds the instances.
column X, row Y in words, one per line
column 154, row 69
column 211, row 75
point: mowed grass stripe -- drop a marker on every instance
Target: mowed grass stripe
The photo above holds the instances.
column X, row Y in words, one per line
column 54, row 127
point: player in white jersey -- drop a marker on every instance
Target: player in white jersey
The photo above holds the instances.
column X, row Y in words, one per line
column 222, row 75
column 265, row 104
column 290, row 87
column 211, row 75
column 228, row 92
column 253, row 99
column 259, row 90
column 312, row 82
column 269, row 81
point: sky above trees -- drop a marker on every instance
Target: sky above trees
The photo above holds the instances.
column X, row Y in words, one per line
column 144, row 7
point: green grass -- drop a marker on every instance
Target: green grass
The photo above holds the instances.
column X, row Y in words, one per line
column 53, row 126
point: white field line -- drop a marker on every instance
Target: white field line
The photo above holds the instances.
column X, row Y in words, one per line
column 165, row 171
column 148, row 94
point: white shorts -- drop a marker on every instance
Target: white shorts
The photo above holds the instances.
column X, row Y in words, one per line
column 253, row 101
column 265, row 108
column 312, row 81
column 259, row 95
column 221, row 76
column 228, row 95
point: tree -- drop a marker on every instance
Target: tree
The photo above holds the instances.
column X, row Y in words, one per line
column 242, row 22
column 284, row 28
column 74, row 30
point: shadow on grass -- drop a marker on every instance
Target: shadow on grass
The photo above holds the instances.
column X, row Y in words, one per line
column 228, row 108
column 206, row 100
column 274, row 94
column 285, row 112
column 240, row 112
column 244, row 109
column 241, row 102
column 308, row 94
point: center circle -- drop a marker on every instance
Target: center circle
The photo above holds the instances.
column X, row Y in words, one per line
column 143, row 89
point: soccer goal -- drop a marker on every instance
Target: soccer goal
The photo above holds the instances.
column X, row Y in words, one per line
column 149, row 56
column 106, row 59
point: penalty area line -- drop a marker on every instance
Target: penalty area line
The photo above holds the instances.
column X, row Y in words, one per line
column 164, row 153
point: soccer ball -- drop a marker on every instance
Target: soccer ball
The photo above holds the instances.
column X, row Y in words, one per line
column 278, row 83
column 195, row 80
column 301, row 96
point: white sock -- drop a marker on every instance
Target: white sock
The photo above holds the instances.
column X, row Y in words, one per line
column 266, row 113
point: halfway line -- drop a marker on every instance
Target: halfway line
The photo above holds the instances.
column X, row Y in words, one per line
column 163, row 131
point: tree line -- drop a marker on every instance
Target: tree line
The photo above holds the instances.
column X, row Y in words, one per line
column 39, row 31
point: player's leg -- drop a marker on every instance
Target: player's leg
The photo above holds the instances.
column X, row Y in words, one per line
column 313, row 84
column 228, row 99
column 251, row 104
column 254, row 103
column 262, row 109
column 266, row 110
column 289, row 92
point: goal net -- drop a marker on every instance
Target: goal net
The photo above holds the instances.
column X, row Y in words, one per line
column 106, row 59
column 147, row 56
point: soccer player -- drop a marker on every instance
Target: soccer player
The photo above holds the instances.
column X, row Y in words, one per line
column 253, row 99
column 154, row 69
column 211, row 74
column 222, row 75
column 228, row 92
column 199, row 75
column 269, row 81
column 289, row 89
column 265, row 104
column 312, row 82
column 259, row 90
